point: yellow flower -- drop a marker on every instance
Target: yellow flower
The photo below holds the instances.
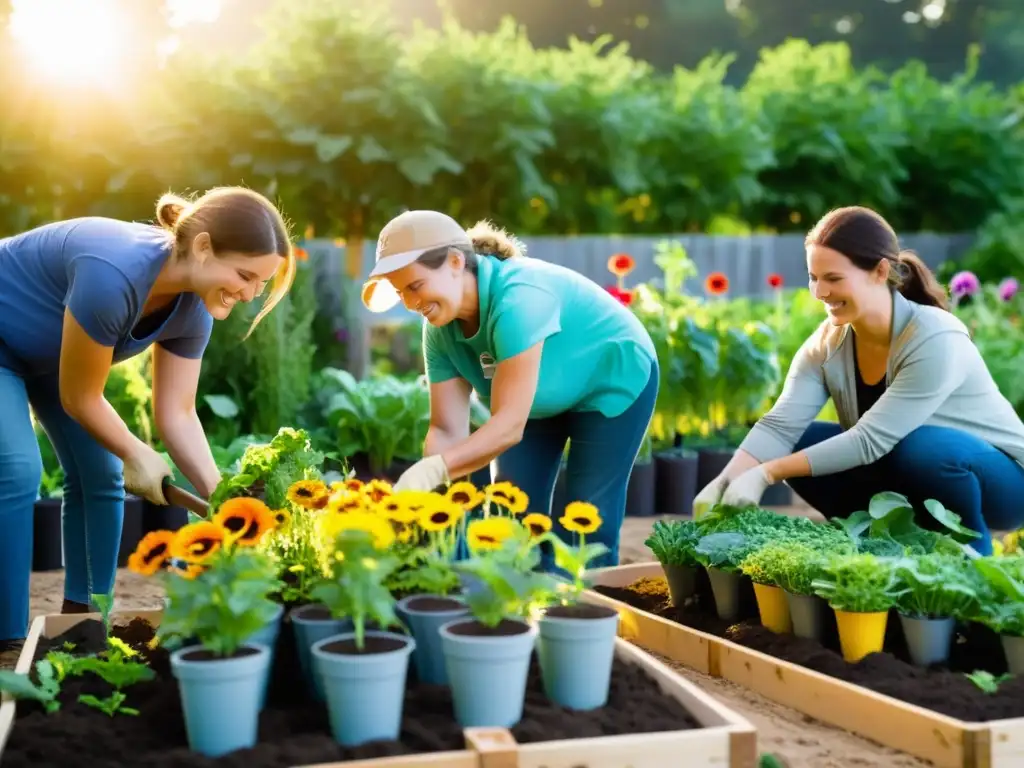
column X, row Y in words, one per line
column 197, row 541
column 490, row 532
column 375, row 490
column 352, row 484
column 397, row 509
column 465, row 494
column 1011, row 542
column 440, row 515
column 580, row 517
column 245, row 520
column 282, row 518
column 537, row 523
column 375, row 525
column 508, row 496
column 152, row 553
column 311, row 494
column 347, row 502
column 411, row 505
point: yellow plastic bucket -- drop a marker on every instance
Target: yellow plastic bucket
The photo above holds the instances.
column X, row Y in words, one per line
column 861, row 633
column 774, row 608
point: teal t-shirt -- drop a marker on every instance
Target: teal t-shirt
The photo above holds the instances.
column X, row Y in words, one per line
column 597, row 356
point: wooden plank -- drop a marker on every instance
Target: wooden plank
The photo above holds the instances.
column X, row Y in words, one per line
column 945, row 741
column 461, row 759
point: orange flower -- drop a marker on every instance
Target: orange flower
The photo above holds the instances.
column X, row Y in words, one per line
column 375, row 490
column 152, row 553
column 197, row 541
column 300, row 253
column 716, row 284
column 621, row 264
column 245, row 520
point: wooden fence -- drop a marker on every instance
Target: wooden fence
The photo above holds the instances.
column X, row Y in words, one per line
column 746, row 261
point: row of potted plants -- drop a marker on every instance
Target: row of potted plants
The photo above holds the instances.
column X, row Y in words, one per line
column 862, row 567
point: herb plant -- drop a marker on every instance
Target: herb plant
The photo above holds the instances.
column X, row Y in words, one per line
column 674, row 542
column 860, row 583
column 270, row 469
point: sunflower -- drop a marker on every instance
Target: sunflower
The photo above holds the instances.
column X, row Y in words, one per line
column 440, row 515
column 465, row 494
column 508, row 496
column 581, row 517
column 245, row 520
column 490, row 532
column 537, row 523
column 311, row 494
column 152, row 553
column 352, row 484
column 375, row 490
column 345, row 502
column 197, row 541
column 282, row 519
column 375, row 525
column 399, row 508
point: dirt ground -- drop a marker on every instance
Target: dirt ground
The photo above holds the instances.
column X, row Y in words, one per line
column 801, row 740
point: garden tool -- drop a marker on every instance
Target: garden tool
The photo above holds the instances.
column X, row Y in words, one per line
column 179, row 497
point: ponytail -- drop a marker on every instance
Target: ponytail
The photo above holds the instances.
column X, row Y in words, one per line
column 917, row 283
column 169, row 209
column 489, row 240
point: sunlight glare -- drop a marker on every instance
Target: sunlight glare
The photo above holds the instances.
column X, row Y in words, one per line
column 71, row 41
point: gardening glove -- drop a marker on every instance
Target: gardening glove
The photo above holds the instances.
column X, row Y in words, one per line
column 425, row 475
column 709, row 495
column 144, row 474
column 747, row 489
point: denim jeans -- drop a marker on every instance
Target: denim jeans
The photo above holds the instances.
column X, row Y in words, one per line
column 967, row 475
column 601, row 455
column 93, row 507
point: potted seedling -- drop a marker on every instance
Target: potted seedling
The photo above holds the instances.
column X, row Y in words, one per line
column 427, row 576
column 674, row 545
column 488, row 653
column 936, row 590
column 721, row 553
column 1004, row 612
column 640, row 498
column 860, row 588
column 219, row 594
column 576, row 644
column 363, row 672
column 767, row 567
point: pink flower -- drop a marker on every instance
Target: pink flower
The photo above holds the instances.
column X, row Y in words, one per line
column 1008, row 288
column 625, row 297
column 964, row 284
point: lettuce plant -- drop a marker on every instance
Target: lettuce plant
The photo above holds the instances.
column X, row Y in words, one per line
column 859, row 583
column 936, row 585
column 724, row 551
column 1004, row 611
column 675, row 542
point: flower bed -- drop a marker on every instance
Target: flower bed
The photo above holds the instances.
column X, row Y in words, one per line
column 646, row 699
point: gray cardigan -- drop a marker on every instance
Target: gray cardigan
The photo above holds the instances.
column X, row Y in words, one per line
column 935, row 376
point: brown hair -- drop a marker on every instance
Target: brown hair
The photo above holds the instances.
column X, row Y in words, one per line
column 487, row 239
column 237, row 220
column 866, row 239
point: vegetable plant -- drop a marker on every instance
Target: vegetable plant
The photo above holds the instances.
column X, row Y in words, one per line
column 268, row 470
column 674, row 542
column 724, row 551
column 859, row 583
column 934, row 586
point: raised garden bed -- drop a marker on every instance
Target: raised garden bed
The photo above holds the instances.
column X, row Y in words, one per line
column 653, row 716
column 936, row 713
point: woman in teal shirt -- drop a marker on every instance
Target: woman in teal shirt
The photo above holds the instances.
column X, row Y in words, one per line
column 552, row 354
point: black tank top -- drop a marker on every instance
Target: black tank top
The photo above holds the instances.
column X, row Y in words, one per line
column 867, row 394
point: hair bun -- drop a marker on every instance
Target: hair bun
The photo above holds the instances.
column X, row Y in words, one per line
column 169, row 209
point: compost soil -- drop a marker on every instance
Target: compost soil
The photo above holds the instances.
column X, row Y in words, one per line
column 293, row 729
column 942, row 689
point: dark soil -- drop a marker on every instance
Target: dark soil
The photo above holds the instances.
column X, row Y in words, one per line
column 504, row 628
column 579, row 611
column 435, row 605
column 942, row 689
column 293, row 729
column 371, row 645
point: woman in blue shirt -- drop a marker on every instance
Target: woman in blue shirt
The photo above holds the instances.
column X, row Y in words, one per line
column 552, row 354
column 77, row 297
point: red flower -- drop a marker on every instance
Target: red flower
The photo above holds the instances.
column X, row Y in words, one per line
column 716, row 284
column 621, row 264
column 625, row 297
column 775, row 280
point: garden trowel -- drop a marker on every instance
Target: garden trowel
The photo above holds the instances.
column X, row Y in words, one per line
column 179, row 497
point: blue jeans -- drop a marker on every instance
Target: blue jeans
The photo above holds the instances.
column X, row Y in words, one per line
column 967, row 475
column 601, row 456
column 93, row 507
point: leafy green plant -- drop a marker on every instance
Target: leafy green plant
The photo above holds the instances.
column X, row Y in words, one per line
column 46, row 691
column 724, row 551
column 936, row 586
column 674, row 542
column 1004, row 611
column 268, row 470
column 986, row 681
column 803, row 564
column 355, row 585
column 223, row 605
column 768, row 565
column 860, row 583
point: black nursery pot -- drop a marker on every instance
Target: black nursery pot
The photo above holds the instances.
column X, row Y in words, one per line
column 711, row 462
column 640, row 491
column 131, row 528
column 159, row 517
column 47, row 536
column 676, row 481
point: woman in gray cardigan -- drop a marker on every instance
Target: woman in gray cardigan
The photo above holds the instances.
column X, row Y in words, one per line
column 919, row 413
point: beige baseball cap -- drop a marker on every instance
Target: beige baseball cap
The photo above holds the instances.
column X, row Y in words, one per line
column 403, row 240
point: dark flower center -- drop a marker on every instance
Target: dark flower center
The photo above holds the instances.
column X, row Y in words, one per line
column 304, row 493
column 581, row 521
column 461, row 497
column 487, row 539
column 156, row 553
column 235, row 524
column 440, row 518
column 202, row 546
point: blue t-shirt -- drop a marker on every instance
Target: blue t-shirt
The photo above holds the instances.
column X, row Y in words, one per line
column 597, row 356
column 102, row 270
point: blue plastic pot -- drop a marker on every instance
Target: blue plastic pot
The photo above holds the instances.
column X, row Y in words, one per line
column 220, row 697
column 575, row 648
column 424, row 615
column 487, row 669
column 313, row 623
column 365, row 690
column 268, row 637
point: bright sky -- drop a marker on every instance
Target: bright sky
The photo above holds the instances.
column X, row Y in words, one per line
column 84, row 41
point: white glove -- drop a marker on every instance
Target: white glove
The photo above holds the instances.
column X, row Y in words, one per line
column 747, row 489
column 144, row 475
column 425, row 475
column 709, row 495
